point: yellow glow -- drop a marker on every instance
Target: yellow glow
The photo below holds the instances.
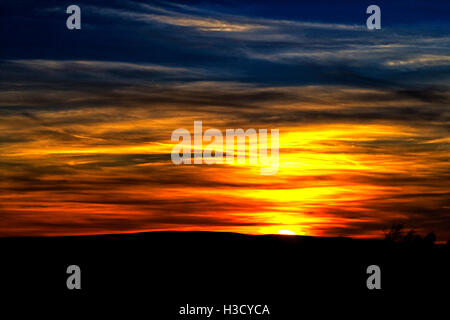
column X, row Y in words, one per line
column 287, row 232
column 329, row 177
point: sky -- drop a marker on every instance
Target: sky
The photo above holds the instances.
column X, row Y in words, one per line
column 86, row 116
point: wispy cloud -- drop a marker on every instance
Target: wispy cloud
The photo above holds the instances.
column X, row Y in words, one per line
column 421, row 61
column 85, row 126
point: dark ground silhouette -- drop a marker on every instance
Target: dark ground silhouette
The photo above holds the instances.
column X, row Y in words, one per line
column 157, row 272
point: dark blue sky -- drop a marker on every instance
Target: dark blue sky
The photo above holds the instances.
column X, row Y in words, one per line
column 262, row 42
column 267, row 43
column 36, row 29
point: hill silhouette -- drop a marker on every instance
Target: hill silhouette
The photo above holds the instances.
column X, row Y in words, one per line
column 165, row 270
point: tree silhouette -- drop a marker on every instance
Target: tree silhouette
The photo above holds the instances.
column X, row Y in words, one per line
column 398, row 234
column 395, row 234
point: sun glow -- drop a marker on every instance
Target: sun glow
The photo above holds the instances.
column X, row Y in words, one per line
column 287, row 232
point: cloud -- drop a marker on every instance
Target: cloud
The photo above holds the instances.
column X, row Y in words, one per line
column 86, row 119
column 201, row 21
column 421, row 61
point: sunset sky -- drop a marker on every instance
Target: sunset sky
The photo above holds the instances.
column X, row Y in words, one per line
column 86, row 116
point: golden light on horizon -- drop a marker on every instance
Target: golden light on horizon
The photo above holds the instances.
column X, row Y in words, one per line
column 114, row 175
column 287, row 232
